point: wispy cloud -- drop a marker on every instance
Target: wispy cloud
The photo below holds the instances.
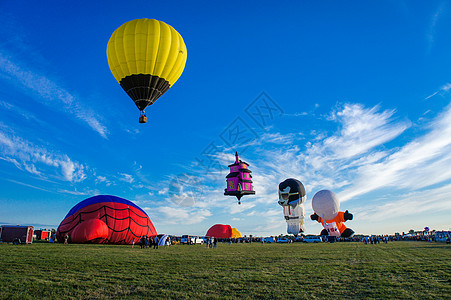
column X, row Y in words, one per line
column 175, row 215
column 356, row 158
column 431, row 153
column 431, row 33
column 29, row 185
column 410, row 203
column 325, row 162
column 126, row 177
column 443, row 90
column 50, row 93
column 104, row 180
column 277, row 138
column 38, row 160
column 75, row 192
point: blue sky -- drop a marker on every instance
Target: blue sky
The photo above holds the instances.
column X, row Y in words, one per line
column 352, row 96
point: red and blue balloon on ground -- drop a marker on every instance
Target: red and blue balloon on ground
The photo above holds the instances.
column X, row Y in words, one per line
column 105, row 219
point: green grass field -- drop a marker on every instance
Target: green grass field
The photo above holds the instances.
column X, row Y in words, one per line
column 414, row 270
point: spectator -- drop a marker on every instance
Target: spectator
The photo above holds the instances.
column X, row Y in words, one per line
column 142, row 241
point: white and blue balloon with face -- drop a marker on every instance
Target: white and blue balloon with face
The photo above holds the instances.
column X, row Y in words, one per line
column 292, row 197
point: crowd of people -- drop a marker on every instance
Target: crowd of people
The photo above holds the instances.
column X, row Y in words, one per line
column 211, row 242
column 149, row 242
column 375, row 239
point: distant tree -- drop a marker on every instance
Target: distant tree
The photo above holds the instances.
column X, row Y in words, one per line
column 411, row 231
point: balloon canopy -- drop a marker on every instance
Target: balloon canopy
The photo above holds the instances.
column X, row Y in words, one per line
column 236, row 233
column 221, row 231
column 326, row 204
column 239, row 180
column 292, row 197
column 105, row 220
column 146, row 57
column 291, row 192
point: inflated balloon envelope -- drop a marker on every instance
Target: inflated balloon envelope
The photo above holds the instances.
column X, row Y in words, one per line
column 146, row 57
column 326, row 206
column 222, row 231
column 291, row 197
column 239, row 180
column 107, row 220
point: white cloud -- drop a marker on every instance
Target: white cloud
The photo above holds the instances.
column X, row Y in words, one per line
column 177, row 215
column 417, row 202
column 433, row 25
column 430, row 153
column 442, row 91
column 29, row 185
column 163, row 191
column 75, row 192
column 277, row 138
column 36, row 160
column 361, row 130
column 126, row 177
column 354, row 160
column 103, row 179
column 51, row 93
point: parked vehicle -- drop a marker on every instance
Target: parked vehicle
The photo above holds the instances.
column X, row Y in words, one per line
column 191, row 240
column 284, row 240
column 186, row 239
column 269, row 240
column 42, row 235
column 198, row 240
column 16, row 234
column 312, row 239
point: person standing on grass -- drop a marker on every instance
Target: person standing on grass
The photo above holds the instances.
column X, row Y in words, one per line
column 214, row 242
column 66, row 238
column 155, row 245
column 133, row 242
column 143, row 241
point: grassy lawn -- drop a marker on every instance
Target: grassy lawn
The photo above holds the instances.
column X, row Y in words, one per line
column 341, row 270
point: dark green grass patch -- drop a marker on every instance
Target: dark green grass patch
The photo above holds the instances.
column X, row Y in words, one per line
column 396, row 270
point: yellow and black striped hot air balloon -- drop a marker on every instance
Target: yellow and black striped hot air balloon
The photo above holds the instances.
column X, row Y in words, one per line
column 146, row 57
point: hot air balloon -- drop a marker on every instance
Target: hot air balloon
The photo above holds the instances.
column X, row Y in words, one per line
column 292, row 197
column 105, row 220
column 220, row 231
column 235, row 233
column 239, row 180
column 326, row 206
column 146, row 57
